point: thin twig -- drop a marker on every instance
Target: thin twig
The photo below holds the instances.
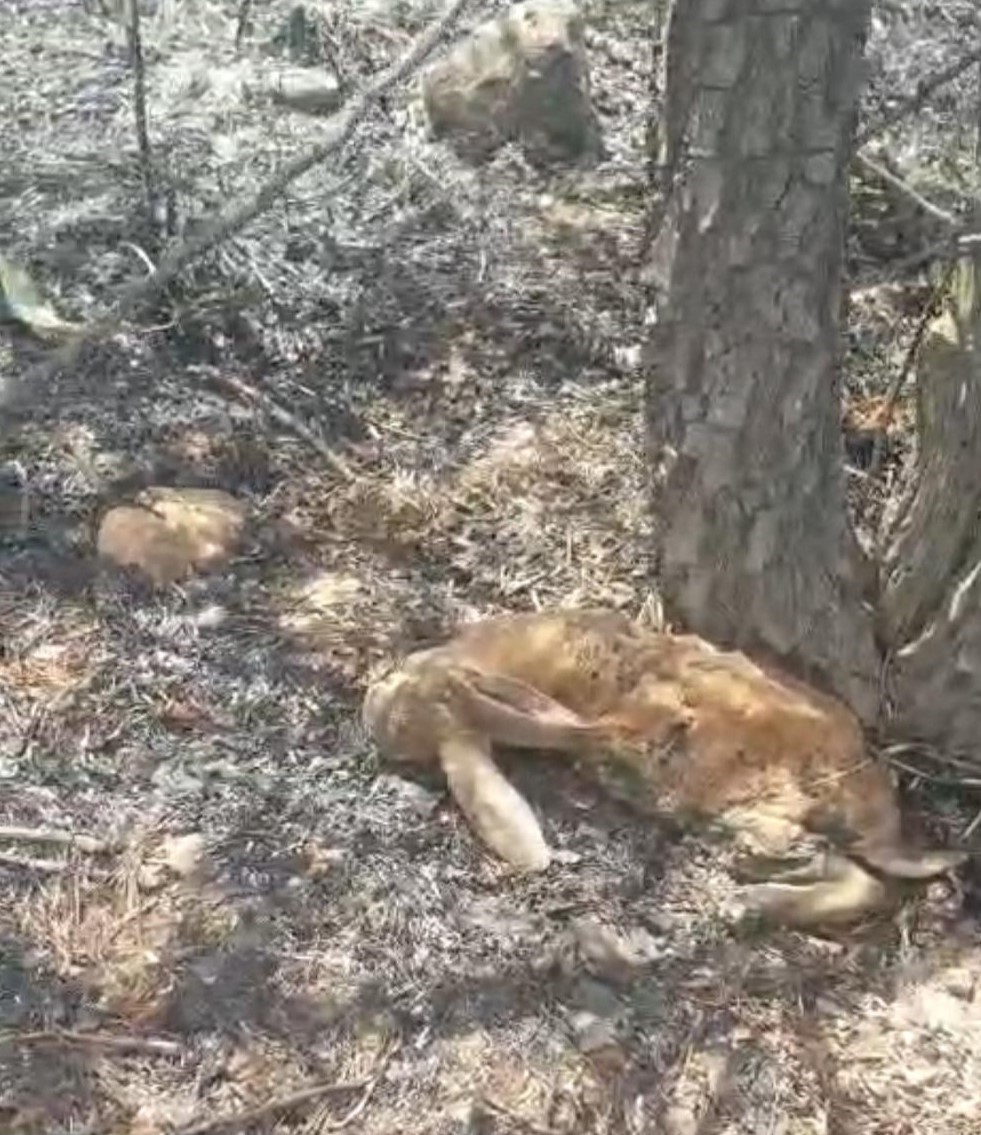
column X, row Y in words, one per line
column 340, row 129
column 139, row 107
column 924, row 89
column 296, row 1099
column 43, row 866
column 971, row 828
column 86, row 843
column 284, row 417
column 907, row 190
column 932, row 777
column 926, row 753
column 151, row 1046
column 273, row 1107
column 357, row 1110
column 499, row 1108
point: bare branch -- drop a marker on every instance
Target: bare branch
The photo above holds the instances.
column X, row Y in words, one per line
column 924, row 89
column 40, row 866
column 250, row 394
column 150, row 1046
column 339, row 130
column 907, row 190
column 85, row 843
column 291, row 1100
column 494, row 1105
column 139, row 107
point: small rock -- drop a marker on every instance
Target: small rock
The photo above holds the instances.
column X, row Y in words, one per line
column 210, row 617
column 321, row 861
column 522, row 77
column 186, row 855
column 306, row 90
column 171, row 532
column 611, row 955
column 961, row 982
column 597, row 1038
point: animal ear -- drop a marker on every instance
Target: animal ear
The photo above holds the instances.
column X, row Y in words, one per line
column 512, row 712
column 909, row 863
column 499, row 814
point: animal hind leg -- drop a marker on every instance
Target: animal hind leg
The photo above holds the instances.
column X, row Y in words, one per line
column 800, row 886
column 909, row 863
column 499, row 814
column 841, row 892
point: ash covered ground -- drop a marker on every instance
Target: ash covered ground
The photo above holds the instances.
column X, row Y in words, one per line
column 469, row 341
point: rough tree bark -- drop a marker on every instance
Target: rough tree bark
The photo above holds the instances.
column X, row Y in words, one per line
column 754, row 545
column 932, row 566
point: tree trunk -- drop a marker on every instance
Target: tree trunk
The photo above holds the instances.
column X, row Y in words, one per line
column 932, row 567
column 754, row 546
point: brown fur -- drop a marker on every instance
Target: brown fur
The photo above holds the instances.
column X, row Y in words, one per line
column 696, row 731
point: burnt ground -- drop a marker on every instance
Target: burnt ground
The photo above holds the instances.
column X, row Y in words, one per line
column 468, row 340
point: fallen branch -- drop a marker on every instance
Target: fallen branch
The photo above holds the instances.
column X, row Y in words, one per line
column 272, row 1107
column 498, row 1108
column 369, row 1091
column 280, row 414
column 151, row 1046
column 339, row 130
column 25, row 863
column 86, row 843
column 292, row 1100
column 907, row 190
column 928, row 753
column 924, row 89
column 953, row 246
column 948, row 781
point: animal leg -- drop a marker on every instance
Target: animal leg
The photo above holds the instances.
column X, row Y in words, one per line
column 841, row 892
column 869, row 829
column 909, row 863
column 497, row 811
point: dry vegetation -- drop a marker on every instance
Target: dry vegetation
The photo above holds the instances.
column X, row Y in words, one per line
column 468, row 342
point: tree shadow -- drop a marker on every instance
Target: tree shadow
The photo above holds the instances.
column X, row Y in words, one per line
column 45, row 1085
